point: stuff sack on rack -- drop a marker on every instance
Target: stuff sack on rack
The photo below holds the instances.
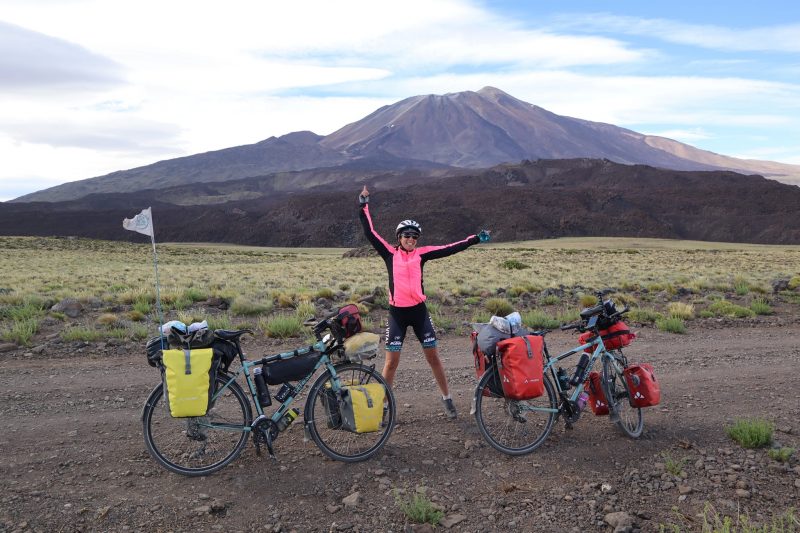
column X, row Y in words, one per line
column 597, row 398
column 293, row 369
column 643, row 389
column 362, row 347
column 499, row 328
column 615, row 337
column 521, row 363
column 362, row 407
column 482, row 362
column 189, row 377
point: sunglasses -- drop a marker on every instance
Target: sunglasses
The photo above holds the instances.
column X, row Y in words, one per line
column 414, row 236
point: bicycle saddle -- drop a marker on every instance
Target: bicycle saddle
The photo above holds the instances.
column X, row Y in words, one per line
column 231, row 334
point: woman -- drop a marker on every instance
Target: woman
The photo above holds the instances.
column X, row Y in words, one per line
column 404, row 262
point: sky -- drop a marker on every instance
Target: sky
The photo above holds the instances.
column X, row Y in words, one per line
column 88, row 87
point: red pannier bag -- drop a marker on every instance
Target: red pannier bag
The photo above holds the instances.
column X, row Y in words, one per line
column 521, row 367
column 481, row 364
column 615, row 337
column 642, row 385
column 597, row 398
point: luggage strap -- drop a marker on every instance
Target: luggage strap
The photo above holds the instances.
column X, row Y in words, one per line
column 528, row 345
column 187, row 361
column 618, row 333
column 369, row 400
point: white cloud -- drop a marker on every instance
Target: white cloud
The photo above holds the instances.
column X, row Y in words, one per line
column 31, row 61
column 778, row 38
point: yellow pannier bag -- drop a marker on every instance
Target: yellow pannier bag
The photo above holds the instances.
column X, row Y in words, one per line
column 362, row 407
column 188, row 378
column 361, row 346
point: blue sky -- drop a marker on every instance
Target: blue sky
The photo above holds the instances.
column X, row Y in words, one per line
column 141, row 81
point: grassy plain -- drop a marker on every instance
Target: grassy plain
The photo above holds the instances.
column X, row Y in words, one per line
column 259, row 282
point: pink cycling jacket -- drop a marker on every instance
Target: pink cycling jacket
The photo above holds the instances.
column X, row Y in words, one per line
column 405, row 268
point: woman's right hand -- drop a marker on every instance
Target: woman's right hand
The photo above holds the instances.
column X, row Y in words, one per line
column 363, row 198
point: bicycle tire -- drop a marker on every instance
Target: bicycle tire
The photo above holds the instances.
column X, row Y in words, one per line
column 629, row 419
column 186, row 445
column 515, row 419
column 335, row 442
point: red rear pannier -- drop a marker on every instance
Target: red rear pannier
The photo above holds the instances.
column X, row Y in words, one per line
column 614, row 338
column 597, row 398
column 642, row 385
column 521, row 367
column 481, row 364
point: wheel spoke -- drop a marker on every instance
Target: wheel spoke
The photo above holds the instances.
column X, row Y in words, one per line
column 513, row 427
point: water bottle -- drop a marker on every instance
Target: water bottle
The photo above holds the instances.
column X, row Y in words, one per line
column 287, row 419
column 581, row 401
column 580, row 370
column 563, row 379
column 262, row 391
column 286, row 391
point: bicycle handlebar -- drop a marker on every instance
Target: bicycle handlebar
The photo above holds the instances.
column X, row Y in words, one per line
column 580, row 326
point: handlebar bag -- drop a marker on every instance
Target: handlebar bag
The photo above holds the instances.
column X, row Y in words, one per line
column 521, row 363
column 481, row 364
column 188, row 378
column 347, row 322
column 597, row 398
column 643, row 389
column 362, row 346
column 362, row 407
column 293, row 369
column 615, row 337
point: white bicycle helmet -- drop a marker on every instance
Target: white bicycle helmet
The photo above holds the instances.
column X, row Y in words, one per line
column 408, row 224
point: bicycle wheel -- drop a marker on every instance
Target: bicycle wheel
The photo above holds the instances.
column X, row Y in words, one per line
column 324, row 424
column 201, row 445
column 513, row 427
column 628, row 418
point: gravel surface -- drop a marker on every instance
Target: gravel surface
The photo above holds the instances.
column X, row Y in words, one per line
column 74, row 457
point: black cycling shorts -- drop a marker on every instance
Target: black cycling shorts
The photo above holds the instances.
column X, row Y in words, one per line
column 418, row 318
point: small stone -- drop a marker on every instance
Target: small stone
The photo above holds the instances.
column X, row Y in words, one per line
column 203, row 509
column 797, row 483
column 684, row 489
column 453, row 519
column 217, row 506
column 7, row 347
column 69, row 306
column 333, row 508
column 618, row 519
column 741, row 493
column 606, row 488
column 353, row 500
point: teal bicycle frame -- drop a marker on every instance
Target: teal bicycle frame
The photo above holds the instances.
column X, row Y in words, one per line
column 284, row 407
column 550, row 363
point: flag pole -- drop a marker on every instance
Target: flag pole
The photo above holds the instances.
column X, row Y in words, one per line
column 158, row 290
column 143, row 223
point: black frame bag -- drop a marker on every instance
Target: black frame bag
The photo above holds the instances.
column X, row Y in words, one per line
column 293, row 369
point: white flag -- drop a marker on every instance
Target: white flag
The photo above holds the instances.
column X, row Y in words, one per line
column 142, row 223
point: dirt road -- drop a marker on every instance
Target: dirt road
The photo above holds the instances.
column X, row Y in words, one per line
column 74, row 459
